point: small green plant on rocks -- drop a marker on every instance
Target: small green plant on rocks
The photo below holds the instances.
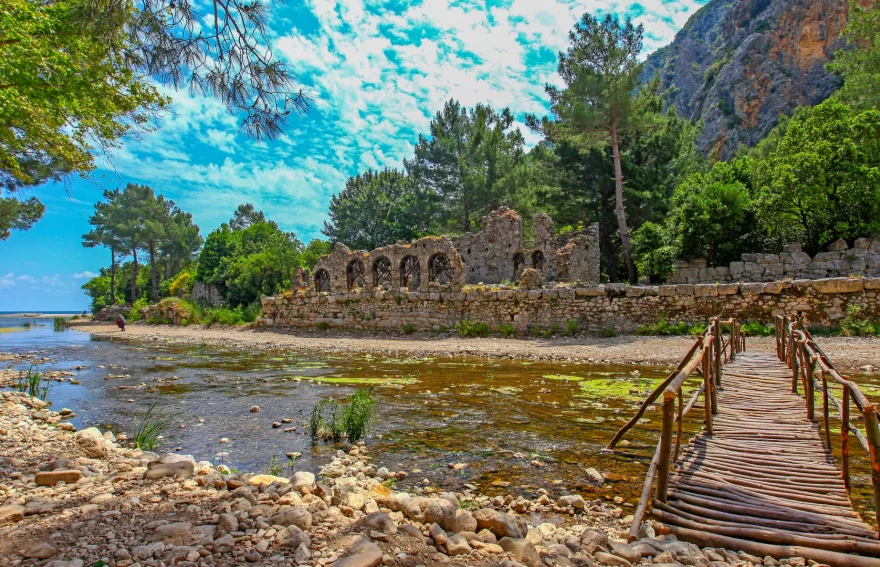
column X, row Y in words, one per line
column 409, row 329
column 148, row 428
column 331, row 420
column 507, row 330
column 34, row 384
column 572, row 328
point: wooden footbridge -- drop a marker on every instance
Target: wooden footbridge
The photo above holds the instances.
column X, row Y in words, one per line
column 761, row 476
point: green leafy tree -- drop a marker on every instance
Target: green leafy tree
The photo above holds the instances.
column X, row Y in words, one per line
column 859, row 62
column 104, row 234
column 377, row 208
column 18, row 214
column 823, row 181
column 601, row 72
column 713, row 215
column 653, row 251
column 244, row 216
column 101, row 290
column 313, row 252
column 221, row 246
column 464, row 166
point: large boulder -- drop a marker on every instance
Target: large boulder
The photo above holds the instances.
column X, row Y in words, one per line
column 499, row 523
column 431, row 511
column 297, row 516
column 362, row 553
column 92, row 442
column 178, row 470
column 521, row 550
column 303, row 482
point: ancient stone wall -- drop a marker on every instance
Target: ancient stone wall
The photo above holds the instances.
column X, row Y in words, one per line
column 428, row 263
column 839, row 261
column 494, row 255
column 206, row 294
column 595, row 308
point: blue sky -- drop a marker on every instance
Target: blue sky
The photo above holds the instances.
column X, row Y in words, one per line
column 378, row 70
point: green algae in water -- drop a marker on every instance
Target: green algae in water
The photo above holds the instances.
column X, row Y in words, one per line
column 352, row 380
column 563, row 377
column 609, row 388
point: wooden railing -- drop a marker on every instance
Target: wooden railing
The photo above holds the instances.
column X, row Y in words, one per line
column 709, row 352
column 796, row 347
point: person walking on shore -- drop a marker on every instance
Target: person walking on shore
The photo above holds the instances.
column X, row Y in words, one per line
column 120, row 322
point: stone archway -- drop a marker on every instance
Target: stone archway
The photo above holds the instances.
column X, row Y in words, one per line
column 322, row 281
column 410, row 273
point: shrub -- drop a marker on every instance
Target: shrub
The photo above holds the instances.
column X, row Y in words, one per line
column 323, row 325
column 350, row 421
column 182, row 285
column 607, row 332
column 854, row 325
column 60, row 323
column 148, row 428
column 572, row 328
column 134, row 314
column 507, row 330
column 470, row 328
column 756, row 329
column 409, row 329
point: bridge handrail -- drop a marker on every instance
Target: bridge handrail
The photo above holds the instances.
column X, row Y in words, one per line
column 708, row 353
column 798, row 349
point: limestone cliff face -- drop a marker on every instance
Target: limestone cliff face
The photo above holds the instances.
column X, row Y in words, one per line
column 738, row 64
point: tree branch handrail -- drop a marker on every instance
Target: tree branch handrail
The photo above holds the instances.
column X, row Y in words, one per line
column 706, row 354
column 796, row 347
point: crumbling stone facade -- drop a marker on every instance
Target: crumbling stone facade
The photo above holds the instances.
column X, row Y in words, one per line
column 206, row 294
column 498, row 252
column 430, row 263
column 491, row 256
column 594, row 308
column 863, row 259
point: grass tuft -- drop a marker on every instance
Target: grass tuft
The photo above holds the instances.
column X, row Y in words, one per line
column 148, row 428
column 331, row 420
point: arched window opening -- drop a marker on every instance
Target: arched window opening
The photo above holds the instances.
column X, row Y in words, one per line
column 440, row 269
column 410, row 273
column 538, row 260
column 322, row 281
column 519, row 264
column 355, row 275
column 381, row 272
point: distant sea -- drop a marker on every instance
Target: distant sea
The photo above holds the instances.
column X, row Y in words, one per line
column 35, row 312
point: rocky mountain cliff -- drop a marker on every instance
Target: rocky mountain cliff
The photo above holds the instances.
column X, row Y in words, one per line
column 739, row 64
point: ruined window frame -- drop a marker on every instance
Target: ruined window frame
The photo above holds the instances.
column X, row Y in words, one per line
column 355, row 277
column 410, row 272
column 322, row 281
column 383, row 271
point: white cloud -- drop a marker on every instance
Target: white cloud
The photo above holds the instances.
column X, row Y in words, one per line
column 378, row 75
column 86, row 275
column 8, row 280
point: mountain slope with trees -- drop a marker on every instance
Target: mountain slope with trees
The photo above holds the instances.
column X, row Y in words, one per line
column 738, row 65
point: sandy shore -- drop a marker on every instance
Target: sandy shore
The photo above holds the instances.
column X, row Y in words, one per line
column 847, row 353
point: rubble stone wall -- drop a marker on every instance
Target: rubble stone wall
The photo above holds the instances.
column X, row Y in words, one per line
column 863, row 259
column 595, row 308
column 206, row 294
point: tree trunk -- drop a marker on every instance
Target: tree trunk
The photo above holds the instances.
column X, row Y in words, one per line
column 621, row 215
column 153, row 282
column 112, row 276
column 134, row 279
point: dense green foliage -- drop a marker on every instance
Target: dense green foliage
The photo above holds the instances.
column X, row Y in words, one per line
column 131, row 222
column 247, row 263
column 859, row 63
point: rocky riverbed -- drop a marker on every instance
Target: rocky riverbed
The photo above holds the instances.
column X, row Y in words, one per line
column 846, row 352
column 77, row 498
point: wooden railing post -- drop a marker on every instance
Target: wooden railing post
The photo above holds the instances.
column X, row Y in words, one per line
column 844, row 436
column 708, row 386
column 807, row 373
column 872, row 432
column 719, row 346
column 825, row 414
column 778, row 338
column 664, row 463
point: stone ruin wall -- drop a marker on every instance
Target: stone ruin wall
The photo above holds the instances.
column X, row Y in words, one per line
column 498, row 253
column 863, row 259
column 206, row 294
column 595, row 308
column 438, row 263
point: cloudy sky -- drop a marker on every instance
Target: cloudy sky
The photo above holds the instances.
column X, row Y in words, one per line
column 377, row 69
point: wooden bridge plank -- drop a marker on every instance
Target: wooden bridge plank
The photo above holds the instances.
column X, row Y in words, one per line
column 765, row 469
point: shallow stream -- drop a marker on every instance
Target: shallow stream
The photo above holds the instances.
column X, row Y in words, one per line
column 516, row 425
